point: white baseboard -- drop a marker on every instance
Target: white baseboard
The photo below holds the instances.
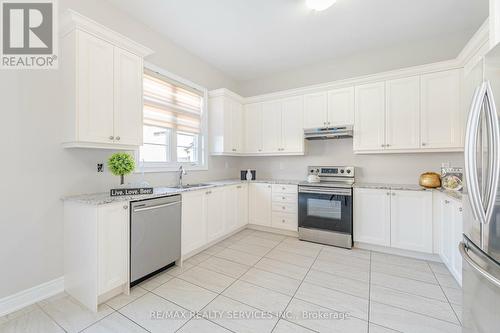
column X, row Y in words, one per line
column 30, row 296
column 399, row 252
column 273, row 230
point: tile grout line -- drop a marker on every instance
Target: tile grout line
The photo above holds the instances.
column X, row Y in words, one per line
column 48, row 315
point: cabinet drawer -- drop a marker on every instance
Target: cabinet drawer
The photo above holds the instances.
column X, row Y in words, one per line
column 285, row 198
column 282, row 188
column 285, row 207
column 284, row 221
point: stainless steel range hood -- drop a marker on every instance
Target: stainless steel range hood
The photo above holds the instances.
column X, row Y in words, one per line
column 327, row 133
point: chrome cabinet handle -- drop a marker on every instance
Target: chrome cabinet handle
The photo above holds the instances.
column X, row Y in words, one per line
column 393, row 194
column 208, row 192
column 424, row 144
column 156, row 207
column 125, row 207
column 239, row 186
column 388, row 193
column 111, row 137
column 118, row 138
column 463, row 251
column 460, row 209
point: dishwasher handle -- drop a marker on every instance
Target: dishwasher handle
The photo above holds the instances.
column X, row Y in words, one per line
column 137, row 210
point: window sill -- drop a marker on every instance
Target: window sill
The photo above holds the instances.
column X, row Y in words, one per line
column 173, row 168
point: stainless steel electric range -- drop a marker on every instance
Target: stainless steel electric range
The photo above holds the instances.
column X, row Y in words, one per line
column 325, row 207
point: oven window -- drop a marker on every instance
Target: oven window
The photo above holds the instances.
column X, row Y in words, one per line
column 327, row 209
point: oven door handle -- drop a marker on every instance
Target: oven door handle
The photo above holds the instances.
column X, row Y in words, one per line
column 344, row 192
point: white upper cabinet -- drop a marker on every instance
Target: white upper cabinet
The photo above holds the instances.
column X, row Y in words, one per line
column 372, row 216
column 369, row 127
column 225, row 123
column 271, row 126
column 292, row 131
column 411, row 220
column 128, row 97
column 253, row 128
column 441, row 123
column 341, row 107
column 494, row 21
column 102, row 86
column 403, row 113
column 316, row 110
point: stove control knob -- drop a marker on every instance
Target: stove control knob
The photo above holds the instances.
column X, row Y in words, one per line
column 348, row 171
column 342, row 171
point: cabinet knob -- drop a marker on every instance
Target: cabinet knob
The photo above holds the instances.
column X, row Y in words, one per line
column 283, row 221
column 125, row 207
column 393, row 194
column 446, row 202
column 424, row 144
column 118, row 138
column 460, row 209
column 260, row 149
column 382, row 146
column 387, row 145
column 283, row 198
column 111, row 137
column 208, row 192
column 388, row 193
column 284, row 207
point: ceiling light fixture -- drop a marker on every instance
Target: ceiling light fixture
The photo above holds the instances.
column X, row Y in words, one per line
column 319, row 5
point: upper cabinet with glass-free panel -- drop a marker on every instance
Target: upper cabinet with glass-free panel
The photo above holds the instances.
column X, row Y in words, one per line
column 102, row 86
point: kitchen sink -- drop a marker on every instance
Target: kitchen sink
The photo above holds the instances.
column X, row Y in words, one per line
column 191, row 185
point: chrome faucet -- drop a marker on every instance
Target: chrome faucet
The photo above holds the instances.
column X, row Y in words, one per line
column 182, row 172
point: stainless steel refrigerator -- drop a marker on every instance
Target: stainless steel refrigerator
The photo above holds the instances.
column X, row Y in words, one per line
column 480, row 248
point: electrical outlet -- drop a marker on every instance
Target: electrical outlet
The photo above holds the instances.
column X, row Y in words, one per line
column 100, row 167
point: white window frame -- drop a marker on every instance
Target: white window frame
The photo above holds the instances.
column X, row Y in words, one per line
column 202, row 164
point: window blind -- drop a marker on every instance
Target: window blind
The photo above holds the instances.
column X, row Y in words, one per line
column 171, row 104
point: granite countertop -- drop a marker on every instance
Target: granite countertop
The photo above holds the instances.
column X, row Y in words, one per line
column 96, row 199
column 410, row 187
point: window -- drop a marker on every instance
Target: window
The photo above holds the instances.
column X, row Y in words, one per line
column 174, row 123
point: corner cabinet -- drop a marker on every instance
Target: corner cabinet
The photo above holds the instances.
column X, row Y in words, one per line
column 102, row 86
column 96, row 251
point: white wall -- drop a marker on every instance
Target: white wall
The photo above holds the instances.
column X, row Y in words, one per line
column 388, row 168
column 37, row 172
column 363, row 63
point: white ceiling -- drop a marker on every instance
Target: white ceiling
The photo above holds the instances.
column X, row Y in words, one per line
column 248, row 39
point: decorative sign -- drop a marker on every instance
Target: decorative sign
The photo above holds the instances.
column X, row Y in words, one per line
column 451, row 179
column 118, row 192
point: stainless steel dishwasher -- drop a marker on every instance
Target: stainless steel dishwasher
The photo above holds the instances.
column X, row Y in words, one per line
column 155, row 236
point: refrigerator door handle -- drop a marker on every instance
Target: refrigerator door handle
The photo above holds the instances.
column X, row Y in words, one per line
column 471, row 138
column 463, row 251
column 493, row 148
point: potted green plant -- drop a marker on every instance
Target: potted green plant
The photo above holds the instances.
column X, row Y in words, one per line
column 121, row 164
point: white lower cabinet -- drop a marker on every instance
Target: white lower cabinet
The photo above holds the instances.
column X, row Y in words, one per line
column 216, row 222
column 448, row 219
column 235, row 207
column 241, row 205
column 393, row 218
column 194, row 223
column 259, row 203
column 96, row 251
column 372, row 216
column 411, row 220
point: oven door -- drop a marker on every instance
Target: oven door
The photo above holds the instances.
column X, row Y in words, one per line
column 327, row 209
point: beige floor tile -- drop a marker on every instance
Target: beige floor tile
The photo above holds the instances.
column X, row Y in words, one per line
column 408, row 285
column 438, row 267
column 224, row 266
column 354, row 252
column 214, row 250
column 401, row 261
column 121, row 300
column 259, row 241
column 269, row 235
column 321, row 319
column 408, row 322
column 404, row 271
column 352, row 261
column 156, row 314
column 178, row 270
column 71, row 315
column 34, row 321
column 115, row 323
column 249, row 248
column 299, row 248
column 185, row 294
column 18, row 313
column 197, row 258
column 284, row 326
column 455, row 296
column 290, row 258
column 279, row 283
column 333, row 300
column 282, row 268
column 344, row 270
column 208, row 279
column 197, row 325
column 425, row 306
column 458, row 311
column 155, row 281
column 339, row 283
column 252, row 321
column 447, row 280
column 380, row 329
column 258, row 297
column 239, row 257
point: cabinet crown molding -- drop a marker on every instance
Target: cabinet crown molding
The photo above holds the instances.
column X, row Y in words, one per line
column 72, row 20
column 227, row 93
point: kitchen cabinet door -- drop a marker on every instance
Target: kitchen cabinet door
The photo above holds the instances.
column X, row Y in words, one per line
column 260, row 196
column 95, row 85
column 369, row 120
column 216, row 224
column 341, row 107
column 236, row 127
column 128, row 70
column 403, row 113
column 241, row 205
column 316, row 110
column 271, row 126
column 253, row 128
column 457, row 237
column 441, row 116
column 447, row 217
column 113, row 246
column 230, row 208
column 372, row 216
column 411, row 220
column 194, row 221
column 292, row 125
